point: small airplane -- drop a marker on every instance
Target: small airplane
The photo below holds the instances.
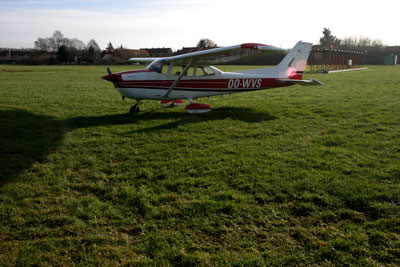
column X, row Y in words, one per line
column 191, row 76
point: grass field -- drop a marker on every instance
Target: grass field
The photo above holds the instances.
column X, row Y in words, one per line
column 292, row 176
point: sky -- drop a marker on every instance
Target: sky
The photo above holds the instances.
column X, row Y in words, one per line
column 177, row 23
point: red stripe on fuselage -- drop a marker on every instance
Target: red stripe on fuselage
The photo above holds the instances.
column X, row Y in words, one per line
column 220, row 84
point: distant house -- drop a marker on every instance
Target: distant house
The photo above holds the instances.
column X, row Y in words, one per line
column 22, row 56
column 13, row 53
column 133, row 53
column 107, row 54
column 108, row 57
column 158, row 52
column 122, row 54
column 186, row 50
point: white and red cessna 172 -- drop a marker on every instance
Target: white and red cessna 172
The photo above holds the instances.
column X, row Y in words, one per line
column 190, row 76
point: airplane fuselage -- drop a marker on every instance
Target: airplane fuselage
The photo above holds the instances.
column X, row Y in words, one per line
column 149, row 84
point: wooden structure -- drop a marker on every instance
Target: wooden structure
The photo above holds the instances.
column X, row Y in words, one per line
column 328, row 60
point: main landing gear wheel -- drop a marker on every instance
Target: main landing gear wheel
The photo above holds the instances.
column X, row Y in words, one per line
column 135, row 108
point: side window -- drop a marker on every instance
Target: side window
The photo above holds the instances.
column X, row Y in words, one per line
column 190, row 72
column 200, row 72
column 177, row 70
column 165, row 68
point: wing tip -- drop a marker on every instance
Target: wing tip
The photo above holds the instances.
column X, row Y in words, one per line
column 252, row 45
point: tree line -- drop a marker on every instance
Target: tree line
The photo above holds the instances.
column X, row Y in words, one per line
column 374, row 48
column 58, row 49
column 328, row 39
column 69, row 50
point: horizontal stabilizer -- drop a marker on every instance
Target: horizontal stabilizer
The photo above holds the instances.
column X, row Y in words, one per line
column 301, row 82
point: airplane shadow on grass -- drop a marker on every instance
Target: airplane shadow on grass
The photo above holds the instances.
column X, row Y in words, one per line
column 27, row 138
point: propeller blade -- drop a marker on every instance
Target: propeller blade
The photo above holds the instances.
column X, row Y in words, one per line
column 108, row 70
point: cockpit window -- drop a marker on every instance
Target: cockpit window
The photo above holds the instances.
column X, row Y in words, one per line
column 192, row 71
column 208, row 71
column 156, row 66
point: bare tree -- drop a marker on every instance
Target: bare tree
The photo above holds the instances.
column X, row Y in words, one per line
column 349, row 41
column 361, row 41
column 69, row 49
column 94, row 44
column 75, row 43
column 206, row 43
column 42, row 44
column 93, row 51
column 58, row 40
column 53, row 43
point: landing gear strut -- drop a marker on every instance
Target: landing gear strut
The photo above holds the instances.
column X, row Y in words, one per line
column 135, row 108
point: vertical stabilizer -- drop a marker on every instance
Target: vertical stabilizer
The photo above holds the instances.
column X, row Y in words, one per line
column 294, row 64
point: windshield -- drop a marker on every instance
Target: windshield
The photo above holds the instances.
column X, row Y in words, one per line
column 208, row 71
column 156, row 65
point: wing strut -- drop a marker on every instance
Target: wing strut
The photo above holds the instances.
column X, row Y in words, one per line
column 179, row 78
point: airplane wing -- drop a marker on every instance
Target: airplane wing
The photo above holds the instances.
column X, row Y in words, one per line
column 219, row 55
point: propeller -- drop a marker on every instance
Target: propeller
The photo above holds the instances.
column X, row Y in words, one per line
column 110, row 77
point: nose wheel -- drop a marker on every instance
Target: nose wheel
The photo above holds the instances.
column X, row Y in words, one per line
column 135, row 108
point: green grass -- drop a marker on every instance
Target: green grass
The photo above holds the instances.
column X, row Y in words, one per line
column 292, row 176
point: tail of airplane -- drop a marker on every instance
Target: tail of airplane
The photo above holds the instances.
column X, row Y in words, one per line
column 290, row 70
column 293, row 65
